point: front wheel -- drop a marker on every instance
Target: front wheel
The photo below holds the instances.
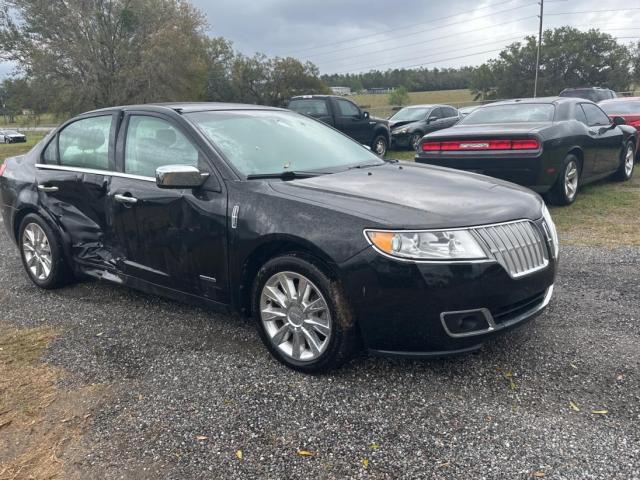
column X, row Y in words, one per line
column 565, row 190
column 302, row 315
column 627, row 162
column 380, row 145
column 415, row 140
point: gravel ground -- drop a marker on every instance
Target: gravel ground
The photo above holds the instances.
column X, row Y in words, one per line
column 177, row 374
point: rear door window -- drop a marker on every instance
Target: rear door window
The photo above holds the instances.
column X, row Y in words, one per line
column 152, row 142
column 449, row 112
column 85, row 143
column 309, row 106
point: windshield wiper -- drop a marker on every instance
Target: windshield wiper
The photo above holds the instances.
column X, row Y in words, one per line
column 285, row 175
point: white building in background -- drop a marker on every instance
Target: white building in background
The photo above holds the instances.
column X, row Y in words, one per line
column 341, row 90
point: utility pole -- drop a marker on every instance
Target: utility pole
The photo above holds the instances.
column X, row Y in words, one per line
column 535, row 82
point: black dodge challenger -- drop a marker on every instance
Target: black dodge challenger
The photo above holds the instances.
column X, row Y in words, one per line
column 276, row 215
column 551, row 145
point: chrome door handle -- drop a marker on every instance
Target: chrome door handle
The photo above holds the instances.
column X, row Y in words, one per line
column 47, row 189
column 125, row 199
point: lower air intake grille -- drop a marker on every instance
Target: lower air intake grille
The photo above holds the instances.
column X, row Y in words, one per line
column 518, row 246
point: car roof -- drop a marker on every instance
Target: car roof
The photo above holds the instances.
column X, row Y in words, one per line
column 621, row 99
column 540, row 100
column 187, row 107
column 573, row 89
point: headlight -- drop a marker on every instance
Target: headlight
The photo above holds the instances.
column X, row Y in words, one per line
column 400, row 131
column 427, row 245
column 552, row 232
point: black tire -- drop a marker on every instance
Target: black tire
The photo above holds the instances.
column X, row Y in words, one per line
column 380, row 145
column 415, row 140
column 342, row 339
column 59, row 274
column 627, row 163
column 561, row 193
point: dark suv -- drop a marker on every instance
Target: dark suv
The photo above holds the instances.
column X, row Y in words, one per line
column 595, row 94
column 346, row 116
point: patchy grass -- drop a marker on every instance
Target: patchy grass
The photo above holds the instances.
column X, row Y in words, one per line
column 39, row 424
column 379, row 106
column 605, row 214
column 11, row 149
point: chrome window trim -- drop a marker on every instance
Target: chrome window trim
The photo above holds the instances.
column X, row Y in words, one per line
column 92, row 171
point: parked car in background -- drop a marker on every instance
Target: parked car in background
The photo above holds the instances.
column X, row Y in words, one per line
column 625, row 107
column 464, row 111
column 275, row 215
column 551, row 145
column 346, row 116
column 11, row 136
column 595, row 94
column 409, row 124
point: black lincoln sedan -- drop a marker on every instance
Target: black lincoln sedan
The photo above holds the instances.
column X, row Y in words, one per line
column 551, row 145
column 278, row 216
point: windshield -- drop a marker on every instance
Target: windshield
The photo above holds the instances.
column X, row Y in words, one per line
column 262, row 142
column 410, row 115
column 593, row 95
column 630, row 107
column 511, row 113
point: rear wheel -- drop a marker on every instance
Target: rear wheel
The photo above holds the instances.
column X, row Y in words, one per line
column 627, row 162
column 565, row 190
column 302, row 316
column 41, row 253
column 380, row 145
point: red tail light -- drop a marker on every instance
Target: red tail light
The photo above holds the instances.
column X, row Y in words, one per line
column 474, row 145
column 2, row 167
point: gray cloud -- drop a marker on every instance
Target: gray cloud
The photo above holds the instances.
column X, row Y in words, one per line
column 377, row 35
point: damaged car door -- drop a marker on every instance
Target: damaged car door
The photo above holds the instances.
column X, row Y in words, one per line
column 173, row 238
column 72, row 182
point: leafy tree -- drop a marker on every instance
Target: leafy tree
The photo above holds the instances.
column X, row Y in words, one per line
column 93, row 53
column 399, row 97
column 569, row 58
column 483, row 83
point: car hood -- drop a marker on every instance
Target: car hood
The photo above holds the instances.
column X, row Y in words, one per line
column 13, row 135
column 493, row 130
column 409, row 195
column 394, row 125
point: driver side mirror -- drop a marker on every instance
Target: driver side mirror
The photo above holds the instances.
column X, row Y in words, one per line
column 365, row 115
column 179, row 176
column 618, row 121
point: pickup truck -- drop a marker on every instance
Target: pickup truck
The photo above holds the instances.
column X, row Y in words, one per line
column 346, row 116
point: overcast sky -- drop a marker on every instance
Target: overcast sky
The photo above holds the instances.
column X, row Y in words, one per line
column 358, row 35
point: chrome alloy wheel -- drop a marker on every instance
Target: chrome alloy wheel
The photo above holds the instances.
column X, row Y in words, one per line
column 37, row 252
column 380, row 147
column 628, row 161
column 295, row 316
column 571, row 180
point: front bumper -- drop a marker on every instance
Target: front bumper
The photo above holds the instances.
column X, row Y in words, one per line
column 532, row 171
column 401, row 140
column 402, row 308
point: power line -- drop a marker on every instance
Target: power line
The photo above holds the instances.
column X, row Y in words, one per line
column 449, row 58
column 420, row 31
column 397, row 28
column 396, row 47
column 593, row 11
column 439, row 51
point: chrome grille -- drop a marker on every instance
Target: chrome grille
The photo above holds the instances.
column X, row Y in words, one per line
column 518, row 246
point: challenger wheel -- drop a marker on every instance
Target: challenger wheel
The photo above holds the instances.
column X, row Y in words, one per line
column 41, row 253
column 565, row 190
column 302, row 316
column 627, row 162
